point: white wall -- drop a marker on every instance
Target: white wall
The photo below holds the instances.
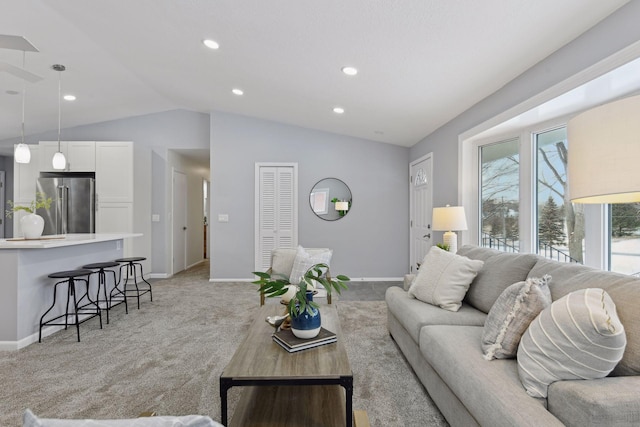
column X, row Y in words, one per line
column 611, row 35
column 372, row 241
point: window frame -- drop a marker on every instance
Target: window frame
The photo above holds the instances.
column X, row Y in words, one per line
column 596, row 242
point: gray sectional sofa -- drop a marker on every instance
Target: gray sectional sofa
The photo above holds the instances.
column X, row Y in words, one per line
column 444, row 349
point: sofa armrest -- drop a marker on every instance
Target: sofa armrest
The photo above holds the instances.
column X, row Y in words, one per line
column 408, row 278
column 611, row 401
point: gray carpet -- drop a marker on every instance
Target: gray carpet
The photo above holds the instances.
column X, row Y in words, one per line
column 168, row 355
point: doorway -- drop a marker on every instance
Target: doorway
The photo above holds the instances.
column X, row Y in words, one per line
column 179, row 225
column 420, row 210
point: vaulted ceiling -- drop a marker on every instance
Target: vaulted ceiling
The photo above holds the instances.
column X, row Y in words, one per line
column 420, row 62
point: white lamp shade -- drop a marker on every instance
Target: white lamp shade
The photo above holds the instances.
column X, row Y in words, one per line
column 604, row 153
column 449, row 218
column 59, row 161
column 22, row 153
column 342, row 206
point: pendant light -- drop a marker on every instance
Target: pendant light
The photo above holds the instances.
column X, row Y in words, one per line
column 22, row 153
column 59, row 162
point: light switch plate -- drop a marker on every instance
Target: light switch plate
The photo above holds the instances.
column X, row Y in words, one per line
column 223, row 217
column 155, row 218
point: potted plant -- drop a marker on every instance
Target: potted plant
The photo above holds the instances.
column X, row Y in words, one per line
column 31, row 224
column 303, row 311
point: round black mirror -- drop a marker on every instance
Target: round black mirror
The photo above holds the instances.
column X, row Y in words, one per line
column 330, row 199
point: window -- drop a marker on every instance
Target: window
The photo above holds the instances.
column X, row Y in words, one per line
column 523, row 205
column 500, row 195
column 560, row 223
column 624, row 255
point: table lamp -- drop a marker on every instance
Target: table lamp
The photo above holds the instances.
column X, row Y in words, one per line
column 448, row 219
column 604, row 145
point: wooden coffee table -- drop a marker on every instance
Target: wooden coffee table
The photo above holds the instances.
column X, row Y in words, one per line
column 281, row 388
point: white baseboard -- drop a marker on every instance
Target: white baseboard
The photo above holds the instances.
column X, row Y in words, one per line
column 356, row 279
column 158, row 276
column 17, row 345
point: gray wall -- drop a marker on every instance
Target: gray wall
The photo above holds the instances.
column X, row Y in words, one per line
column 372, row 241
column 616, row 32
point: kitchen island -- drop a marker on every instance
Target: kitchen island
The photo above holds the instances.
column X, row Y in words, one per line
column 25, row 290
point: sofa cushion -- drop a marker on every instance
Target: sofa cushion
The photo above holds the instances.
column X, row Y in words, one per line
column 444, row 278
column 611, row 401
column 500, row 270
column 578, row 337
column 511, row 315
column 624, row 291
column 413, row 314
column 491, row 391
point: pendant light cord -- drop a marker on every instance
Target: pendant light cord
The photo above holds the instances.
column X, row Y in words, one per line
column 24, row 91
column 59, row 104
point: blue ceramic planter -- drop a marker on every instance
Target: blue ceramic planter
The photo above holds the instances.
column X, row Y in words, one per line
column 306, row 325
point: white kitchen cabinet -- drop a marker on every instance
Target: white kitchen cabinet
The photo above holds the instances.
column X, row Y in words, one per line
column 80, row 155
column 114, row 172
column 114, row 218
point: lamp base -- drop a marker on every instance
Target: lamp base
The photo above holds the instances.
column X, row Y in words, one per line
column 451, row 239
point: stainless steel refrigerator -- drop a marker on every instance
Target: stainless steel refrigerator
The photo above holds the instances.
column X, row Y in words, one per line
column 73, row 202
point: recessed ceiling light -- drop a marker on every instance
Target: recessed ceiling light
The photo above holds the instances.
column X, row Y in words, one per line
column 211, row 44
column 69, row 97
column 338, row 110
column 237, row 91
column 350, row 71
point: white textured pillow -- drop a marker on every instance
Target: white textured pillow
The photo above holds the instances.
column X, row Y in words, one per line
column 30, row 420
column 304, row 261
column 511, row 314
column 578, row 337
column 444, row 278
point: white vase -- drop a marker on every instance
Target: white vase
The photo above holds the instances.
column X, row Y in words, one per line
column 32, row 226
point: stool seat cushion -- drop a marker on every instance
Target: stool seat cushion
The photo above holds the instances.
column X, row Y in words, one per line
column 70, row 273
column 101, row 265
column 131, row 259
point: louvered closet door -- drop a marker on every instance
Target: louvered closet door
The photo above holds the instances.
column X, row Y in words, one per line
column 276, row 213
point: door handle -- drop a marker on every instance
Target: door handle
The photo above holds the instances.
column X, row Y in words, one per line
column 427, row 236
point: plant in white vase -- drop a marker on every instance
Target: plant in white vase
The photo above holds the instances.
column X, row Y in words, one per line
column 299, row 299
column 31, row 224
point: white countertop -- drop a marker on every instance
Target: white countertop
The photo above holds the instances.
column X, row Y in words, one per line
column 62, row 240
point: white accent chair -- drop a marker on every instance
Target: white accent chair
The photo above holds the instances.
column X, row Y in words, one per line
column 282, row 260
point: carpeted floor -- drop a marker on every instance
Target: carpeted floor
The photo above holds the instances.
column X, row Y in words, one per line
column 168, row 355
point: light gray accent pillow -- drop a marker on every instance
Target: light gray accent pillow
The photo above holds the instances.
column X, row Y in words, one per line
column 577, row 337
column 30, row 420
column 444, row 278
column 510, row 316
column 304, row 260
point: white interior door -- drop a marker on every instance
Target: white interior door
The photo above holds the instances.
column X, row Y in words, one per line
column 179, row 221
column 276, row 210
column 421, row 207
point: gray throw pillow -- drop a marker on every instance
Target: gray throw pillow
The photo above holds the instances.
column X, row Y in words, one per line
column 511, row 314
column 444, row 278
column 578, row 337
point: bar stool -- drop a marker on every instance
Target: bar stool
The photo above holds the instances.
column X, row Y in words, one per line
column 102, row 284
column 131, row 264
column 71, row 277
